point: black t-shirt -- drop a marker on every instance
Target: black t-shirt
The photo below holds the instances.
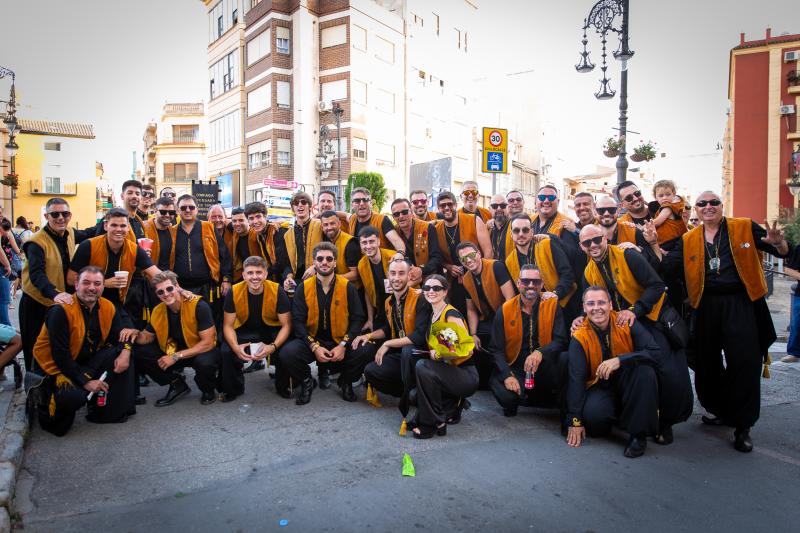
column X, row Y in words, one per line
column 164, row 248
column 84, row 253
column 205, row 320
column 254, row 302
column 352, row 253
column 452, row 237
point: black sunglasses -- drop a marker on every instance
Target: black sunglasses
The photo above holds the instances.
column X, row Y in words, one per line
column 434, row 288
column 498, row 206
column 530, row 281
column 187, row 207
column 300, row 201
column 401, row 213
column 548, row 197
column 168, row 194
column 703, row 203
column 148, row 195
column 520, row 230
column 165, row 212
column 604, row 210
column 360, row 200
column 324, row 259
column 59, row 214
column 635, row 194
column 446, row 205
column 162, row 292
column 588, row 242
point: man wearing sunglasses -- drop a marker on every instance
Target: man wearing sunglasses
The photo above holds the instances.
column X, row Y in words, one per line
column 548, row 218
column 502, row 243
column 469, row 197
column 157, row 229
column 347, row 246
column 168, row 192
column 146, row 204
column 419, row 203
column 180, row 334
column 326, row 316
column 298, row 242
column 201, row 261
column 44, row 274
column 620, row 231
column 630, row 198
column 361, row 206
column 528, row 336
column 488, row 285
column 548, row 255
column 720, row 263
column 78, row 344
column 420, row 239
column 638, row 294
column 326, row 201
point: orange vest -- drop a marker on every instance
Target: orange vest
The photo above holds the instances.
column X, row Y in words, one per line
column 339, row 315
column 409, row 312
column 626, row 284
column 376, row 221
column 543, row 255
column 160, row 323
column 313, row 238
column 467, row 231
column 482, row 212
column 42, row 351
column 419, row 239
column 672, row 229
column 342, row 240
column 512, row 325
column 151, row 232
column 131, row 236
column 746, row 258
column 490, row 287
column 53, row 267
column 621, row 343
column 626, row 232
column 253, row 248
column 555, row 226
column 365, row 273
column 430, row 216
column 210, row 249
column 269, row 303
column 127, row 258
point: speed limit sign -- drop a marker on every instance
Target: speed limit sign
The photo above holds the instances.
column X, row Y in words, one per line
column 495, row 148
column 495, row 138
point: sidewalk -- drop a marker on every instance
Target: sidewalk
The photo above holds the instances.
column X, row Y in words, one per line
column 780, row 308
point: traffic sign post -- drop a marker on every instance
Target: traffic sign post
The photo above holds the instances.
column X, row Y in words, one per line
column 495, row 151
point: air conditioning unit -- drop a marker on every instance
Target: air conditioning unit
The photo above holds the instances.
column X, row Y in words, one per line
column 791, row 56
column 323, row 106
column 787, row 110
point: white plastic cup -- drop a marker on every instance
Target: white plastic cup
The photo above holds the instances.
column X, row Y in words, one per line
column 255, row 347
column 121, row 274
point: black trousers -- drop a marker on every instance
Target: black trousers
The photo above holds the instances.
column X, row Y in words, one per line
column 31, row 320
column 484, row 360
column 733, row 391
column 629, row 399
column 295, row 356
column 232, row 374
column 438, row 384
column 205, row 366
column 61, row 402
column 388, row 376
column 138, row 304
column 675, row 398
column 209, row 291
column 548, row 384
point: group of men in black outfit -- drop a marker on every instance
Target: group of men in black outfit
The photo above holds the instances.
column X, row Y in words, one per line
column 565, row 314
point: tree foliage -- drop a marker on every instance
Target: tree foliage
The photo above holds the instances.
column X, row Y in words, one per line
column 373, row 182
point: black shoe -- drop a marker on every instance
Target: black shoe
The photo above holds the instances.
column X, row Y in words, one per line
column 207, row 398
column 177, row 389
column 348, row 394
column 324, row 378
column 742, row 441
column 664, row 436
column 412, row 397
column 143, row 381
column 509, row 411
column 140, row 400
column 305, row 391
column 254, row 366
column 283, row 392
column 226, row 398
column 636, row 446
column 712, row 420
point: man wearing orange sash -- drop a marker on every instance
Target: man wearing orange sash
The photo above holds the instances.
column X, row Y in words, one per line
column 326, row 317
column 630, row 198
column 157, row 229
column 363, row 216
column 421, row 241
column 241, row 242
column 488, row 285
column 469, row 197
column 499, row 233
column 257, row 313
column 638, row 294
column 550, row 220
column 610, row 377
column 372, row 271
column 419, row 203
column 298, row 242
column 528, row 336
column 326, row 201
column 346, row 244
column 720, row 263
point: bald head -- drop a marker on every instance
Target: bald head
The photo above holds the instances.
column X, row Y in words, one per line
column 589, row 231
column 595, row 236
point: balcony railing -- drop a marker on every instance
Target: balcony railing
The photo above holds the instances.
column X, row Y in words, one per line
column 64, row 189
column 179, row 179
column 185, row 138
column 793, row 78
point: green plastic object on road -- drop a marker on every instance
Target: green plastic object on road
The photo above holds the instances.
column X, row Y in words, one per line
column 408, row 466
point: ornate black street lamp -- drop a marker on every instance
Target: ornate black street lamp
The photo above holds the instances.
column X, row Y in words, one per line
column 610, row 16
column 13, row 127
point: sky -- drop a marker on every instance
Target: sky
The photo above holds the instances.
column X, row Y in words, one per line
column 114, row 64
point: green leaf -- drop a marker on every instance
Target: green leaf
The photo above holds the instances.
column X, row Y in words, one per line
column 373, row 182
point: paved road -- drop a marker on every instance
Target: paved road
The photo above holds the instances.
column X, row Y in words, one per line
column 333, row 466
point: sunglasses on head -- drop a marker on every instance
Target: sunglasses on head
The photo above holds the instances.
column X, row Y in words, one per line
column 59, row 214
column 547, row 197
column 300, row 201
column 162, row 292
column 165, row 212
column 324, row 259
column 588, row 242
column 703, row 203
column 469, row 194
column 527, row 282
column 434, row 288
column 524, row 230
column 631, row 196
column 187, row 207
column 419, row 202
column 498, row 206
column 604, row 210
column 360, row 200
column 468, row 257
column 401, row 213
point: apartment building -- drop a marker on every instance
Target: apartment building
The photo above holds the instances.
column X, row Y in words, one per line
column 175, row 148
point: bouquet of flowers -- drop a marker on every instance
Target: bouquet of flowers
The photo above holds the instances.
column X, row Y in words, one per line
column 450, row 341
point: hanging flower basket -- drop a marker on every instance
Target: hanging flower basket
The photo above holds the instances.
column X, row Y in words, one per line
column 11, row 180
column 612, row 146
column 637, row 158
column 611, row 153
column 644, row 152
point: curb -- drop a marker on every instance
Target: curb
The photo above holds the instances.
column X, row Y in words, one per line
column 12, row 443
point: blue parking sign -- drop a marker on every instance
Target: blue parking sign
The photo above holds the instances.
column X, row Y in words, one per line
column 494, row 161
